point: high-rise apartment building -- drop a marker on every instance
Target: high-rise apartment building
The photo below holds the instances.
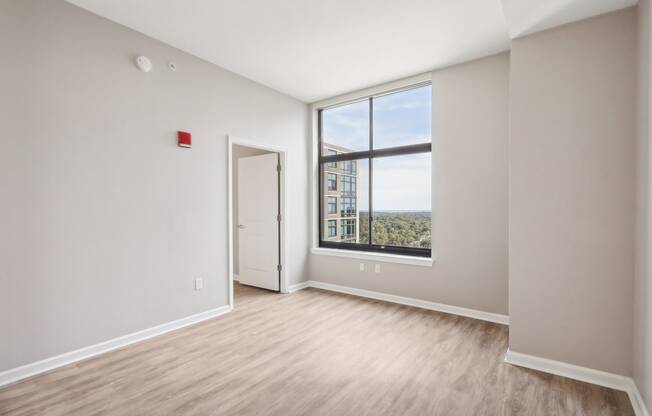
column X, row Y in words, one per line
column 340, row 204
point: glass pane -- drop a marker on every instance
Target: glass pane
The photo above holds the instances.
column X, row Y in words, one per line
column 403, row 118
column 345, row 128
column 402, row 213
column 332, row 228
column 332, row 205
column 329, row 152
column 345, row 199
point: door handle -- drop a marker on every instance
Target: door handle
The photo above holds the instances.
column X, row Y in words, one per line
column 242, row 226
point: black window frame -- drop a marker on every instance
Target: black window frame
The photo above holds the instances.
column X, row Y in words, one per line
column 370, row 155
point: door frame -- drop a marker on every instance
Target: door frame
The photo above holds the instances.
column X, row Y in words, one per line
column 282, row 152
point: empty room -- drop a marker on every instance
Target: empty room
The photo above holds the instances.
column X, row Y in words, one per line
column 346, row 207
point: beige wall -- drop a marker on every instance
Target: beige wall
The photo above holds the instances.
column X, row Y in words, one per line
column 643, row 284
column 469, row 199
column 571, row 195
column 239, row 152
column 104, row 222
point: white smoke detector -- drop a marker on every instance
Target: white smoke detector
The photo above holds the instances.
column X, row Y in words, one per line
column 144, row 64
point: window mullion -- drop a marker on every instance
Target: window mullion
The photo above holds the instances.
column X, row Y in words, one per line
column 371, row 168
column 320, row 208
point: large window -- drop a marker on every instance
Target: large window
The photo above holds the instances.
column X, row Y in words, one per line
column 383, row 157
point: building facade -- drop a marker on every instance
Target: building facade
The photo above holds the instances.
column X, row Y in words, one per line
column 340, row 204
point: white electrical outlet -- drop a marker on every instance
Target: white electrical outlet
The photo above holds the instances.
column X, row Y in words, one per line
column 377, row 268
column 199, row 283
column 362, row 267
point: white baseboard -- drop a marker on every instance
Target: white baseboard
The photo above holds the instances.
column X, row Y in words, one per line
column 298, row 286
column 637, row 400
column 28, row 370
column 588, row 375
column 424, row 304
column 236, row 277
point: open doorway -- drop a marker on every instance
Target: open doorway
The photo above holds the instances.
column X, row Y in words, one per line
column 256, row 217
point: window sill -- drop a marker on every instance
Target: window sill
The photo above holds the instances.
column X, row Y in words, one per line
column 381, row 257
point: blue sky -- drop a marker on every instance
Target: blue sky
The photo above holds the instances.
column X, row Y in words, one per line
column 400, row 182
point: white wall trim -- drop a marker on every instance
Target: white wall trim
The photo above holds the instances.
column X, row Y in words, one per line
column 588, row 375
column 32, row 369
column 236, row 277
column 424, row 304
column 283, row 154
column 298, row 286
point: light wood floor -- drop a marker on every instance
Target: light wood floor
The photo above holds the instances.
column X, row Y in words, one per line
column 312, row 353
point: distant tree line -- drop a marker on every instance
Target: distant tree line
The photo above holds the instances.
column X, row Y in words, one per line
column 398, row 228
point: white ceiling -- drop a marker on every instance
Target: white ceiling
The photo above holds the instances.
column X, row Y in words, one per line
column 313, row 49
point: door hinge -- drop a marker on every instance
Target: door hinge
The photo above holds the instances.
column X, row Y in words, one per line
column 279, row 267
column 278, row 218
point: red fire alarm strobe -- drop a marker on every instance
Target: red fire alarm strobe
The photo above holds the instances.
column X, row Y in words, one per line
column 185, row 140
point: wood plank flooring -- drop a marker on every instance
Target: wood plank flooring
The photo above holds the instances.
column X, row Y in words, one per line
column 312, row 353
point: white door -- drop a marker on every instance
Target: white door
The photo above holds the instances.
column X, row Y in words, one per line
column 258, row 202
